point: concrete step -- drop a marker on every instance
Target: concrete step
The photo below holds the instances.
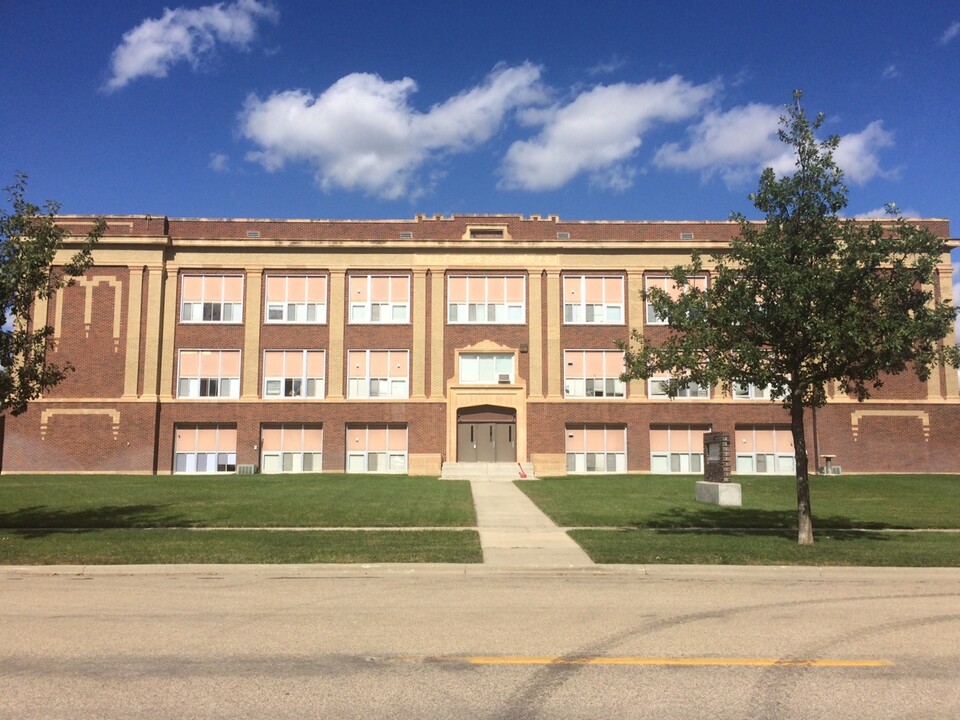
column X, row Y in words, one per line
column 486, row 471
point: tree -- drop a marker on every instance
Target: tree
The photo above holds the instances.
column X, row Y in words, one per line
column 803, row 299
column 29, row 241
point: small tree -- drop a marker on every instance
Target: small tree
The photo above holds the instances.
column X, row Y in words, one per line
column 29, row 241
column 804, row 299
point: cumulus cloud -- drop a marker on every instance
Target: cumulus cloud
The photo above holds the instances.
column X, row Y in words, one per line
column 184, row 35
column 597, row 133
column 950, row 34
column 881, row 213
column 738, row 144
column 362, row 134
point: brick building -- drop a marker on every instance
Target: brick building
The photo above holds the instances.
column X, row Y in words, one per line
column 393, row 346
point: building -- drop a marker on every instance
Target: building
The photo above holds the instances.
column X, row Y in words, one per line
column 207, row 345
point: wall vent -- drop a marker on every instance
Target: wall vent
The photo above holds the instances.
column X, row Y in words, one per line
column 406, row 235
column 253, row 233
column 563, row 236
column 686, row 236
column 246, row 469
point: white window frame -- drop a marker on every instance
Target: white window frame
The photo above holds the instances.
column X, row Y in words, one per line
column 650, row 316
column 579, row 313
column 494, row 313
column 656, row 391
column 199, row 387
column 202, row 307
column 288, row 313
column 772, row 463
column 589, row 461
column 281, row 387
column 472, row 365
column 390, row 312
column 741, row 391
column 223, row 462
column 685, row 462
column 370, row 388
column 586, row 387
column 394, row 461
column 289, row 461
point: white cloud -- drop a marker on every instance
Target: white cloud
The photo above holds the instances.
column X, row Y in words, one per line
column 890, row 72
column 597, row 133
column 950, row 34
column 881, row 213
column 607, row 67
column 219, row 162
column 183, row 34
column 739, row 143
column 362, row 134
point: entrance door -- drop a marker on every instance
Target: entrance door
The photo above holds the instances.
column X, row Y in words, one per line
column 486, row 442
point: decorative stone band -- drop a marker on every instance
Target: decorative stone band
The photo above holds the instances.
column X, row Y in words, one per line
column 47, row 414
column 920, row 415
column 88, row 284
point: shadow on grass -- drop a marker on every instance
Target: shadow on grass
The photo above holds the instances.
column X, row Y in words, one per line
column 41, row 521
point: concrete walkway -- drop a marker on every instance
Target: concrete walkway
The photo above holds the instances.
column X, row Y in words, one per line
column 515, row 533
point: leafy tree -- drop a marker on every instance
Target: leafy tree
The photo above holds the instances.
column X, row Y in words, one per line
column 29, row 241
column 803, row 299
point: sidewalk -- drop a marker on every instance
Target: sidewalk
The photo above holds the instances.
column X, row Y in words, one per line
column 515, row 533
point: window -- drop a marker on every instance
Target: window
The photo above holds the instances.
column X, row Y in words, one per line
column 487, row 369
column 293, row 374
column 486, row 299
column 377, row 448
column 593, row 374
column 596, row 448
column 592, row 300
column 764, row 449
column 378, row 373
column 209, row 374
column 291, row 448
column 296, row 299
column 205, row 449
column 379, row 299
column 677, row 448
column 665, row 283
column 657, row 389
column 211, row 299
column 750, row 392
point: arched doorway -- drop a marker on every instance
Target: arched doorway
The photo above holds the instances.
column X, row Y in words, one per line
column 486, row 433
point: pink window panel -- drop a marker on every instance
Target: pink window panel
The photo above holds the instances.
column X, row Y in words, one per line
column 358, row 288
column 213, row 288
column 613, row 364
column 292, row 438
column 233, row 288
column 356, row 439
column 743, row 439
column 596, row 439
column 659, row 440
column 227, row 440
column 784, row 440
column 696, row 439
column 230, row 363
column 379, row 363
column 613, row 290
column 457, row 289
column 698, row 281
column 313, row 439
column 400, row 289
column 595, row 363
column 571, row 289
column 315, row 363
column 616, row 440
column 209, row 363
column 380, row 289
column 293, row 364
column 594, row 290
column 192, row 288
column 496, row 290
column 316, row 289
column 576, row 440
column 764, row 440
column 515, row 292
column 272, row 439
column 376, row 439
column 276, row 288
column 357, row 360
column 273, row 363
column 574, row 363
column 680, row 440
column 296, row 289
column 189, row 363
column 397, row 439
column 398, row 364
column 207, row 439
column 187, row 439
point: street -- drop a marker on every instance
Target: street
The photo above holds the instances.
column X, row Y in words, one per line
column 468, row 642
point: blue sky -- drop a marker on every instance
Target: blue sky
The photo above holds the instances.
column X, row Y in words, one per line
column 362, row 109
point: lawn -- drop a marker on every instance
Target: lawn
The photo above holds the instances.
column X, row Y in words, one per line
column 120, row 519
column 654, row 519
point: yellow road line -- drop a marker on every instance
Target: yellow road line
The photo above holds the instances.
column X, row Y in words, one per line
column 694, row 661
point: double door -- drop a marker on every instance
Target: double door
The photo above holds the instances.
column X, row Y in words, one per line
column 487, row 442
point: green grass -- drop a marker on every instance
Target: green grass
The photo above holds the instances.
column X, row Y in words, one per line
column 111, row 547
column 314, row 500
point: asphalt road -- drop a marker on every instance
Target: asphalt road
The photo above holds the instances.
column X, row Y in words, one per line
column 468, row 642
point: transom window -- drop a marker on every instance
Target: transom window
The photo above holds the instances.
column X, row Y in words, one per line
column 593, row 374
column 592, row 300
column 378, row 373
column 208, row 374
column 296, row 299
column 293, row 373
column 486, row 299
column 487, row 369
column 379, row 299
column 666, row 283
column 596, row 448
column 211, row 299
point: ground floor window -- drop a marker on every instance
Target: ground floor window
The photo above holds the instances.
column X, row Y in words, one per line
column 764, row 449
column 291, row 448
column 596, row 448
column 205, row 448
column 677, row 448
column 377, row 448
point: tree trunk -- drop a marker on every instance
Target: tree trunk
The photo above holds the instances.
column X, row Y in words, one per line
column 804, row 515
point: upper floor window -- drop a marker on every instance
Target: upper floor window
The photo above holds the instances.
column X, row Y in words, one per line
column 743, row 391
column 666, row 283
column 486, row 299
column 592, row 300
column 487, row 368
column 296, row 299
column 293, row 374
column 209, row 374
column 593, row 374
column 212, row 299
column 379, row 298
column 378, row 373
column 657, row 388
